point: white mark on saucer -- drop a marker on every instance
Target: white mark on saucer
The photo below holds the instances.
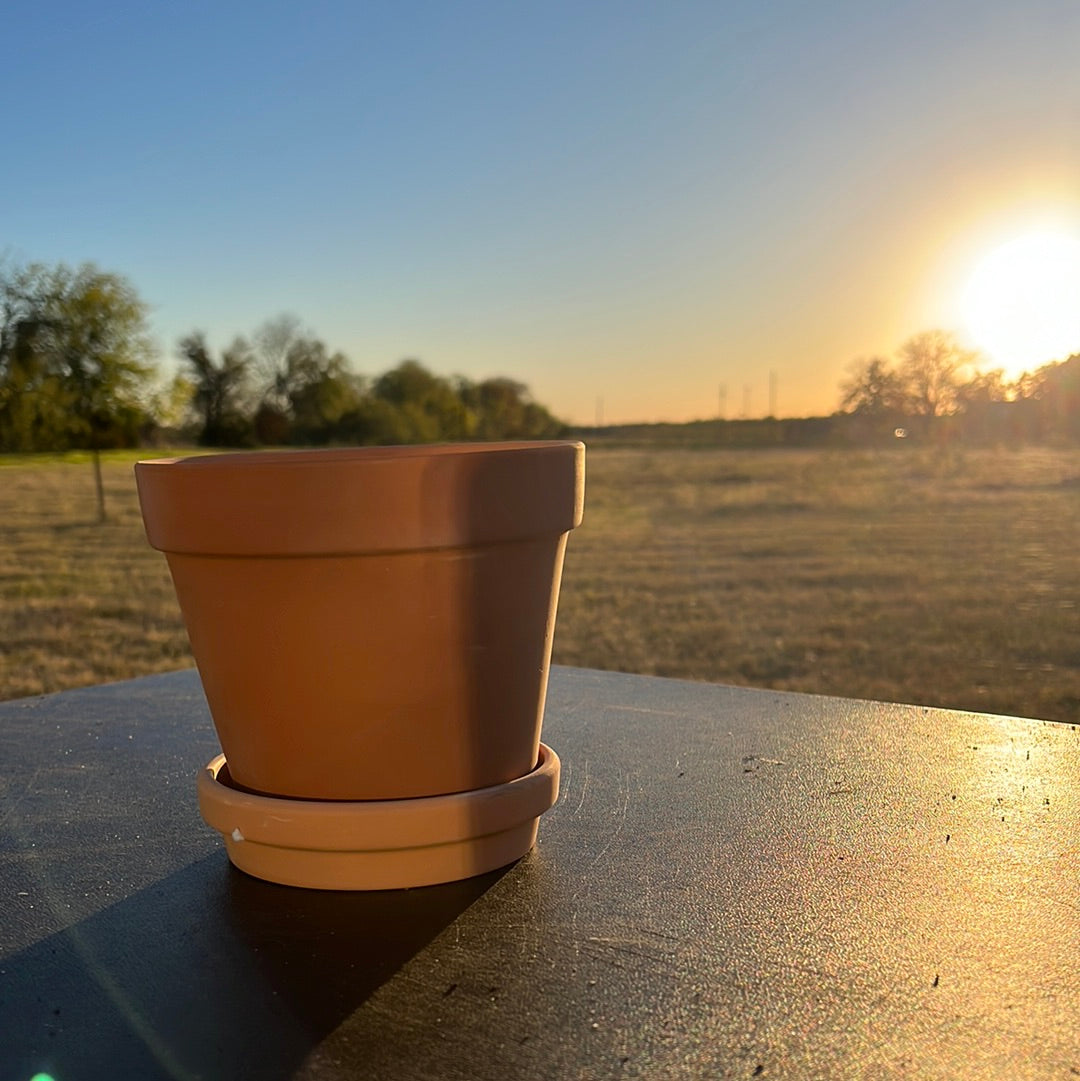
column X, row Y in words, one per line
column 237, row 835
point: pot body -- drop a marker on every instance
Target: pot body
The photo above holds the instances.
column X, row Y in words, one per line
column 373, row 623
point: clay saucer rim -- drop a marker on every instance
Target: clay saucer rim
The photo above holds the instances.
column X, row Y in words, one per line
column 374, row 825
column 379, row 844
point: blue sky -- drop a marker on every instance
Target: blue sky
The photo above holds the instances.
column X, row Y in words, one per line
column 639, row 202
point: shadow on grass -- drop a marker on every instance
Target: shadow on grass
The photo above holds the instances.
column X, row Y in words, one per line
column 210, row 973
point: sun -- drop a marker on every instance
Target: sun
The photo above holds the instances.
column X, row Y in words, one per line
column 1021, row 304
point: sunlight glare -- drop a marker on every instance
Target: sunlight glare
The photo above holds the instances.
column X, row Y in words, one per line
column 1021, row 305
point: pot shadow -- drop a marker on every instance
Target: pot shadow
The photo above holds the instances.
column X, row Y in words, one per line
column 211, row 973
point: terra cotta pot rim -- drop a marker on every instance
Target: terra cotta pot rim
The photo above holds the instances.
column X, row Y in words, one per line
column 305, row 457
column 340, row 500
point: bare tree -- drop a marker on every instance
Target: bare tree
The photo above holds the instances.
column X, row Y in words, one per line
column 932, row 369
column 273, row 341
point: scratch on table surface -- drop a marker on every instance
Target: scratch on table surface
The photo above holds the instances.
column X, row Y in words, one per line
column 630, row 954
column 646, row 709
column 620, row 814
column 28, row 788
column 584, row 789
column 751, row 759
column 639, row 943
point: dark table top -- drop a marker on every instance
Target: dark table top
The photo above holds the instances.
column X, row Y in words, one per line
column 734, row 883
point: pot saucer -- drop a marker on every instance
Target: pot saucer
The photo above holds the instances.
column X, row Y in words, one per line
column 377, row 844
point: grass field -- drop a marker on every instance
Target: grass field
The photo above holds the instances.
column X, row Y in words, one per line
column 942, row 578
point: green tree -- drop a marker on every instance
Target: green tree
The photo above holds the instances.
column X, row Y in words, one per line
column 375, row 422
column 221, row 390
column 100, row 337
column 75, row 359
column 431, row 407
column 34, row 405
column 504, row 409
column 319, row 390
column 170, row 403
column 408, row 404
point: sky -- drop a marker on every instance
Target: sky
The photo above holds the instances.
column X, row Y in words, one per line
column 643, row 211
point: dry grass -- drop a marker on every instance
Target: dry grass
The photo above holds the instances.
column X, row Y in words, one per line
column 80, row 602
column 909, row 575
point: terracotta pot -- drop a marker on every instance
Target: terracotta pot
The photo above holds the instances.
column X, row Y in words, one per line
column 370, row 624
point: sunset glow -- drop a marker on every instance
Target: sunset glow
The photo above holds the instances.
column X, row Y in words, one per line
column 1021, row 305
column 679, row 211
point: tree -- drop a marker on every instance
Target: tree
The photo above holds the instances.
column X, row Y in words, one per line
column 270, row 356
column 34, row 405
column 272, row 342
column 305, row 389
column 321, row 389
column 931, row 371
column 872, row 388
column 504, row 409
column 170, row 403
column 927, row 381
column 221, row 390
column 432, row 408
column 75, row 358
column 983, row 388
column 98, row 330
column 375, row 422
column 1054, row 389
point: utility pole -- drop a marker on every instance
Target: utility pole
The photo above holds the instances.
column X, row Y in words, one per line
column 723, row 400
column 773, row 388
column 746, row 401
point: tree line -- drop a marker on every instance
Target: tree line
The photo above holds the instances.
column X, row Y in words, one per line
column 77, row 371
column 284, row 387
column 934, row 384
